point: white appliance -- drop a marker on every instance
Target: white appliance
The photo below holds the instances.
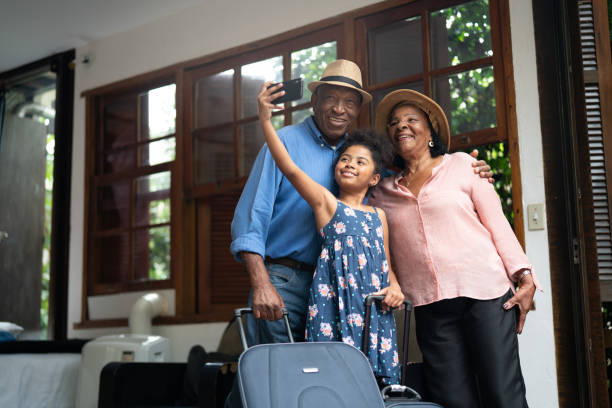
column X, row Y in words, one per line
column 135, row 347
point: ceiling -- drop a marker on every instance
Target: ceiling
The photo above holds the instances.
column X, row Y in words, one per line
column 35, row 29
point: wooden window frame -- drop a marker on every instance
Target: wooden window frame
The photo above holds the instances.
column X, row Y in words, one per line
column 188, row 280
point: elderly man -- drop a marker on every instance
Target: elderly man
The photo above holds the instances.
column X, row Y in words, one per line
column 273, row 230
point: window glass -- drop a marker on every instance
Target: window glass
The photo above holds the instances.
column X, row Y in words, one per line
column 395, row 50
column 252, row 78
column 117, row 160
column 160, row 106
column 114, row 205
column 460, row 34
column 152, row 253
column 151, row 201
column 214, row 99
column 114, row 258
column 309, row 65
column 214, row 152
column 378, row 95
column 300, row 115
column 469, row 96
column 120, row 122
column 159, row 151
column 251, row 140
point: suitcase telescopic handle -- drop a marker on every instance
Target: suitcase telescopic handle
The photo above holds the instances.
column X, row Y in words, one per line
column 244, row 310
column 400, row 388
column 369, row 300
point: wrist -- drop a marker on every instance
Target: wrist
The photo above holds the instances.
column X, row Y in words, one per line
column 520, row 275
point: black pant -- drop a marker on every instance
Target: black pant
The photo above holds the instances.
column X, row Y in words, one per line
column 470, row 353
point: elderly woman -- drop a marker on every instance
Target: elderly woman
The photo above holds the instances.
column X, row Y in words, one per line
column 456, row 258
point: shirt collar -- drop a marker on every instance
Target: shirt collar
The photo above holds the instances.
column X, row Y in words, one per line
column 318, row 136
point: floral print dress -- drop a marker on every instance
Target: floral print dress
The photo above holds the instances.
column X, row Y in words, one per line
column 352, row 265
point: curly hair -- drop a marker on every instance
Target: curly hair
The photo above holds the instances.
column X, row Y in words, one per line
column 379, row 146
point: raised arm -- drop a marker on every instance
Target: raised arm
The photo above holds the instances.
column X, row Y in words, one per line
column 320, row 199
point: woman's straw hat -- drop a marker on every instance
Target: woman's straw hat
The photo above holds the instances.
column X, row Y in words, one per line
column 432, row 110
column 342, row 73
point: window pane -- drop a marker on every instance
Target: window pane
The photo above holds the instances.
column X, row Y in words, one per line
column 469, row 97
column 160, row 112
column 214, row 156
column 160, row 151
column 120, row 123
column 381, row 93
column 300, row 115
column 114, row 206
column 395, row 50
column 113, row 259
column 251, row 139
column 214, row 99
column 152, row 253
column 253, row 77
column 460, row 34
column 152, row 183
column 152, row 204
column 119, row 160
column 309, row 65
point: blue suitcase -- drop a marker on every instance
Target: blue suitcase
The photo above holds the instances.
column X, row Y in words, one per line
column 398, row 395
column 305, row 375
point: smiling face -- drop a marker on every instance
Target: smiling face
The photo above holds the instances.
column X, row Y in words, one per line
column 355, row 169
column 335, row 110
column 409, row 131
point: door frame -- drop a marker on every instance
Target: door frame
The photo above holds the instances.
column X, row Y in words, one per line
column 62, row 64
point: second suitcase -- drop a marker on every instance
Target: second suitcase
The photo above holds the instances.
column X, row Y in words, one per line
column 409, row 397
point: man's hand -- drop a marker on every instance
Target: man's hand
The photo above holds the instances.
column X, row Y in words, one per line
column 523, row 298
column 481, row 167
column 267, row 303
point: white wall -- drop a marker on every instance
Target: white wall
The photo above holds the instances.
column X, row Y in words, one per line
column 537, row 343
column 219, row 25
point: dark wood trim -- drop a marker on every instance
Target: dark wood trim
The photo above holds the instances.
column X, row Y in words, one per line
column 476, row 138
column 204, row 264
column 503, row 43
column 572, row 252
column 604, row 78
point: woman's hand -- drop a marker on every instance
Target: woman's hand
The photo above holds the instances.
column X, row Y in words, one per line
column 523, row 298
column 394, row 297
column 265, row 98
column 481, row 167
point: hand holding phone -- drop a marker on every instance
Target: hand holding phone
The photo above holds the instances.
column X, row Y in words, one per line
column 293, row 91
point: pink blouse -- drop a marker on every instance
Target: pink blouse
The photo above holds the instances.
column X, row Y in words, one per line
column 452, row 239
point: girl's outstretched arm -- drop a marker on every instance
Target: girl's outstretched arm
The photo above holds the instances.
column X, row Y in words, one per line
column 322, row 201
column 393, row 293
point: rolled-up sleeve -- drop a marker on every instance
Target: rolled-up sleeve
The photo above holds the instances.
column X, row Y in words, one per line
column 254, row 210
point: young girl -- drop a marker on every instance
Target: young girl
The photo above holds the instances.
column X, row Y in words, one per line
column 353, row 261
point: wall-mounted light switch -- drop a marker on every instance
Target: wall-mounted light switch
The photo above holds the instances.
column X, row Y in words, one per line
column 536, row 217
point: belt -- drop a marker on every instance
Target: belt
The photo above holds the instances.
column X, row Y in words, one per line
column 291, row 263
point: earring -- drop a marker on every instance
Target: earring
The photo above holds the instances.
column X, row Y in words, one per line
column 431, row 143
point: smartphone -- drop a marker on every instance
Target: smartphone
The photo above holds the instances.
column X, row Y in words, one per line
column 293, row 91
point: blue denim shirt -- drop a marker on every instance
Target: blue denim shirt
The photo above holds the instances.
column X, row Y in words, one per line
column 271, row 218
